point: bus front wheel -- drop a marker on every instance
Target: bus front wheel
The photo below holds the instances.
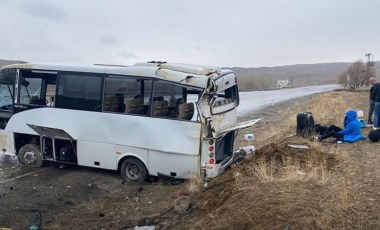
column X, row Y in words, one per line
column 30, row 154
column 133, row 170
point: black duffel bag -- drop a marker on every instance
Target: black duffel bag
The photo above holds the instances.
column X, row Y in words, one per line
column 374, row 135
column 305, row 124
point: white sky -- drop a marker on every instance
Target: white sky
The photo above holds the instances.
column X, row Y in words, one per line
column 245, row 33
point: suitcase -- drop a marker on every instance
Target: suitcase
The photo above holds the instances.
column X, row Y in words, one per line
column 374, row 135
column 305, row 124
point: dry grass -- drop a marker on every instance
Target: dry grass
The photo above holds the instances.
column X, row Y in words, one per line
column 305, row 190
column 195, row 184
column 329, row 110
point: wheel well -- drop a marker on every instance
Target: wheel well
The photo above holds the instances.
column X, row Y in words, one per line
column 128, row 157
column 23, row 139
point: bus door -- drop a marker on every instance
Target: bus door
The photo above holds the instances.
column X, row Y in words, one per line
column 7, row 84
column 35, row 89
column 7, row 89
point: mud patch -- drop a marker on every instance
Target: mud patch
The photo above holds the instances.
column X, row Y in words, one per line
column 20, row 219
column 281, row 155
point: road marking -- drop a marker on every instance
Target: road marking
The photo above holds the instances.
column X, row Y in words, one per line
column 21, row 176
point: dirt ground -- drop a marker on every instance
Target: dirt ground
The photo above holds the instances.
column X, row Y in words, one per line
column 328, row 186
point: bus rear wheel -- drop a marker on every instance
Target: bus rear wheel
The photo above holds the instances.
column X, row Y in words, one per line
column 133, row 170
column 30, row 154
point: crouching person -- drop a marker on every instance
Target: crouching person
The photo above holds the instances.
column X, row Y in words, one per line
column 350, row 133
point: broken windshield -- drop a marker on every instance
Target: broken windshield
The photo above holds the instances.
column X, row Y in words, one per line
column 6, row 96
column 7, row 80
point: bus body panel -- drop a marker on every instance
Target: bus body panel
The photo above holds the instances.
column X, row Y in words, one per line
column 127, row 151
column 226, row 81
column 136, row 131
column 98, row 155
column 178, row 165
column 223, row 121
column 7, row 145
column 193, row 80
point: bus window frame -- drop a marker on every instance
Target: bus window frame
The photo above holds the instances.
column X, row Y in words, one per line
column 10, row 83
column 234, row 95
column 45, row 81
column 186, row 91
column 142, row 91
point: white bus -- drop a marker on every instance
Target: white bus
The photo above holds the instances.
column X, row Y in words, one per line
column 148, row 119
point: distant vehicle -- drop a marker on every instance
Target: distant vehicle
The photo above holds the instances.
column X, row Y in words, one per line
column 148, row 119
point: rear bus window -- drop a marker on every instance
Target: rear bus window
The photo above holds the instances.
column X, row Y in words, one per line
column 226, row 100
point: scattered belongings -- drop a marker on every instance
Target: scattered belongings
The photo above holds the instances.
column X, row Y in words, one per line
column 298, row 146
column 249, row 137
column 145, row 227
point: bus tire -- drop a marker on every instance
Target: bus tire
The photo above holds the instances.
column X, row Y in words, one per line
column 30, row 154
column 133, row 170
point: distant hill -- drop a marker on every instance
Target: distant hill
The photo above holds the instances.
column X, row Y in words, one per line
column 8, row 62
column 301, row 74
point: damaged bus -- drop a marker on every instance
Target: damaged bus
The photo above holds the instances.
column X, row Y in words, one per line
column 155, row 119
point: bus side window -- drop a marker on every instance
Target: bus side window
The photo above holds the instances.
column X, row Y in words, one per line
column 79, row 92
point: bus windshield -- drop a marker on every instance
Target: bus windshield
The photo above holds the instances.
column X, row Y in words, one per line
column 6, row 95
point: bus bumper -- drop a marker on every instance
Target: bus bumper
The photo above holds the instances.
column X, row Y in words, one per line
column 213, row 170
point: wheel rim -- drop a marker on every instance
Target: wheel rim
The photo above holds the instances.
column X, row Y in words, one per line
column 30, row 157
column 133, row 171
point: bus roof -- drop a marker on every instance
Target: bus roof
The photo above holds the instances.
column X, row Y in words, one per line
column 192, row 75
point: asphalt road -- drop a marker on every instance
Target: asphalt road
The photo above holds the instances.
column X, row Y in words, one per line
column 255, row 100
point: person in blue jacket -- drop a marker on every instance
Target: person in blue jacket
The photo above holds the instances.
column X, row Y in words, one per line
column 351, row 131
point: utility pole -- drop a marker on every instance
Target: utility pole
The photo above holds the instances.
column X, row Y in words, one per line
column 370, row 64
column 369, row 61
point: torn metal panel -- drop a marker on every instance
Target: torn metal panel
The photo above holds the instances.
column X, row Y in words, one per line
column 240, row 125
column 192, row 69
column 225, row 81
column 198, row 81
column 51, row 132
column 223, row 121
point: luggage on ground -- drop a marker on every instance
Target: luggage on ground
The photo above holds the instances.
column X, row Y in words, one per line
column 305, row 124
column 374, row 135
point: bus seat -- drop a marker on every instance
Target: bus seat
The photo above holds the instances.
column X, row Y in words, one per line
column 174, row 110
column 135, row 106
column 139, row 105
column 186, row 111
column 165, row 108
column 223, row 102
column 115, row 104
column 34, row 100
column 121, row 106
column 160, row 108
column 130, row 105
column 111, row 104
column 157, row 108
